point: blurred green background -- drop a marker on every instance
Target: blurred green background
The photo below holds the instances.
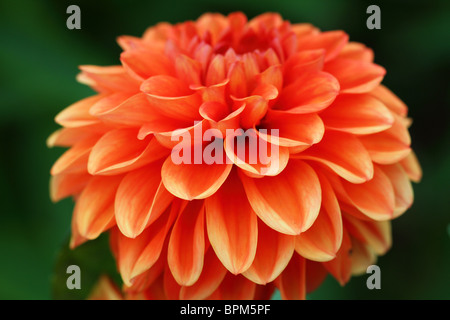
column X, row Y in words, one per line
column 38, row 63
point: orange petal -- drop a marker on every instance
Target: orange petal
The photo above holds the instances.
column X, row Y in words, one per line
column 140, row 200
column 340, row 267
column 232, row 225
column 187, row 244
column 67, row 137
column 77, row 114
column 389, row 146
column 94, row 209
column 210, row 279
column 357, row 51
column 193, row 181
column 312, row 92
column 143, row 63
column 171, row 97
column 294, row 129
column 108, row 79
column 390, row 100
column 292, row 281
column 288, row 202
column 236, row 287
column 402, row 187
column 64, row 185
column 357, row 114
column 272, row 255
column 120, row 151
column 412, row 167
column 375, row 198
column 344, row 154
column 322, row 241
column 255, row 155
column 355, row 76
column 302, row 62
column 105, row 289
column 315, row 275
column 138, row 255
column 377, row 234
column 362, row 257
column 75, row 159
column 331, row 41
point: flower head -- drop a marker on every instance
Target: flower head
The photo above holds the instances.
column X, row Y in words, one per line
column 224, row 151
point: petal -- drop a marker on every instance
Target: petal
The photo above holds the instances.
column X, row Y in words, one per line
column 212, row 275
column 187, row 244
column 143, row 63
column 105, row 289
column 67, row 184
column 289, row 202
column 355, row 76
column 302, row 62
column 312, row 92
column 331, row 41
column 376, row 234
column 272, row 255
column 315, row 275
column 357, row 51
column 294, row 129
column 402, row 187
column 375, row 198
column 77, row 114
column 357, row 114
column 292, row 281
column 340, row 267
column 362, row 257
column 344, row 154
column 108, row 79
column 412, row 167
column 67, row 137
column 75, row 159
column 193, row 181
column 236, row 287
column 138, row 255
column 94, row 209
column 120, row 151
column 232, row 225
column 390, row 100
column 255, row 154
column 322, row 241
column 389, row 146
column 171, row 97
column 140, row 200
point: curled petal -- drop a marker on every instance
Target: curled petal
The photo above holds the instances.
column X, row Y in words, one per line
column 390, row 100
column 331, row 41
column 402, row 187
column 75, row 159
column 108, row 79
column 292, row 282
column 77, row 114
column 357, row 51
column 412, row 167
column 67, row 184
column 144, row 63
column 341, row 266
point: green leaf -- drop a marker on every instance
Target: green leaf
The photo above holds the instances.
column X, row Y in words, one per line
column 94, row 259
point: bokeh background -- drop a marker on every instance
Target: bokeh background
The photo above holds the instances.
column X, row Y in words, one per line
column 38, row 64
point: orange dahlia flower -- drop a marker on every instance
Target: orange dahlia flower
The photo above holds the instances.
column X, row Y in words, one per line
column 320, row 201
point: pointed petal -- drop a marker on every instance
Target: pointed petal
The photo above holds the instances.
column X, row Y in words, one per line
column 77, row 114
column 362, row 257
column 237, row 287
column 94, row 209
column 357, row 51
column 340, row 267
column 315, row 275
column 390, row 100
column 140, row 200
column 331, row 41
column 322, row 241
column 272, row 255
column 187, row 244
column 144, row 63
column 67, row 184
column 302, row 62
column 412, row 167
column 402, row 187
column 75, row 159
column 232, row 225
column 288, row 202
column 108, row 79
